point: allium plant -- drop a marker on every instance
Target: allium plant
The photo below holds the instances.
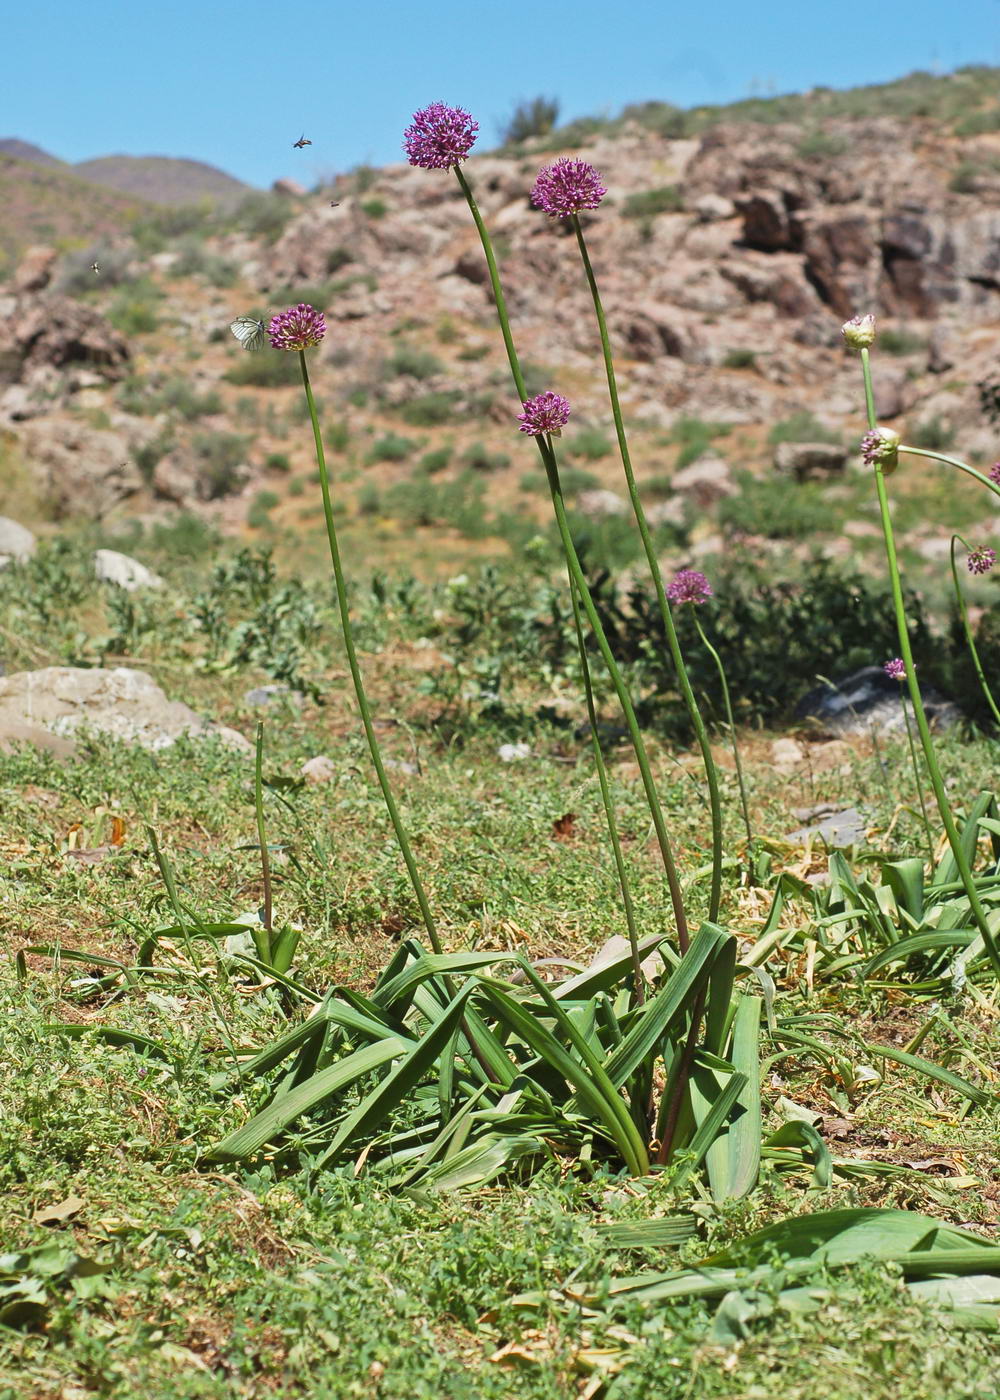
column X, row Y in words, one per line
column 567, row 187
column 562, row 190
column 691, row 587
column 297, row 330
column 881, row 448
column 579, row 587
column 439, row 136
column 977, row 561
column 547, row 413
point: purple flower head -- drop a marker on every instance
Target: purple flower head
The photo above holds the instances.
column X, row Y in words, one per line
column 439, row 136
column 995, row 473
column 859, row 331
column 567, row 187
column 298, row 328
column 895, row 669
column 981, row 560
column 689, row 586
column 880, row 445
column 548, row 413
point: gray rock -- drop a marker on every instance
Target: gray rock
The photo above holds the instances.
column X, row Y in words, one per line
column 123, row 570
column 598, row 504
column 263, row 695
column 707, row 480
column 810, row 461
column 846, row 828
column 15, row 732
column 122, row 702
column 510, row 753
column 866, row 702
column 320, row 769
column 17, row 543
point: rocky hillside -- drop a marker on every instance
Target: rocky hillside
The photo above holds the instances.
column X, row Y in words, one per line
column 728, row 257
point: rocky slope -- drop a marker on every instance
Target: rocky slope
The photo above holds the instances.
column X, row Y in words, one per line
column 727, row 262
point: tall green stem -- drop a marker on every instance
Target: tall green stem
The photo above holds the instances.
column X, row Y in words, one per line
column 609, row 810
column 677, row 656
column 963, row 614
column 926, row 742
column 352, row 661
column 265, row 858
column 730, row 721
column 916, row 777
column 579, row 582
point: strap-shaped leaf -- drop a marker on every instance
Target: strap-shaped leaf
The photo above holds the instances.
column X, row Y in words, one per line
column 282, row 1112
column 678, row 994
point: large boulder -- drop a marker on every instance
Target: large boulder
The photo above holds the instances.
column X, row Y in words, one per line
column 78, row 469
column 868, row 702
column 121, row 569
column 122, row 702
column 810, row 461
column 61, row 332
column 17, row 543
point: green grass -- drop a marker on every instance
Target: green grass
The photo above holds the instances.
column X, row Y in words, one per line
column 264, row 1280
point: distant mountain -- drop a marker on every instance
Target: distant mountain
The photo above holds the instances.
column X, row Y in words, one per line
column 24, row 150
column 45, row 202
column 162, row 179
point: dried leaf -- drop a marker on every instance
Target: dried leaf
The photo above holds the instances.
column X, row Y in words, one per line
column 63, row 1210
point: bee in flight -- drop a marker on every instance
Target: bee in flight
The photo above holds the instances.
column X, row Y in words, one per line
column 249, row 332
column 302, row 141
column 94, row 267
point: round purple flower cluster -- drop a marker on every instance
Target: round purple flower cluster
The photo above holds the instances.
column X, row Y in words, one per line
column 567, row 187
column 298, row 328
column 895, row 669
column 547, row 413
column 995, row 473
column 981, row 560
column 689, row 586
column 439, row 136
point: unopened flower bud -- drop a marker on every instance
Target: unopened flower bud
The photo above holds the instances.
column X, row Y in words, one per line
column 880, row 447
column 859, row 331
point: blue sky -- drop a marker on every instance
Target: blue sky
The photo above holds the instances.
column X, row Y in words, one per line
column 235, row 84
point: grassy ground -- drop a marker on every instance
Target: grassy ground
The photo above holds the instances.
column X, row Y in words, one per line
column 258, row 1282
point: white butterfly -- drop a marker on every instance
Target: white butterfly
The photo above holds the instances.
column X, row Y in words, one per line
column 249, row 332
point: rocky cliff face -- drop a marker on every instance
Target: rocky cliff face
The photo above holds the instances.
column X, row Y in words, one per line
column 726, row 263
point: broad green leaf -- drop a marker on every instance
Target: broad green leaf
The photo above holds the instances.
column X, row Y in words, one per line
column 389, row 1094
column 282, row 1112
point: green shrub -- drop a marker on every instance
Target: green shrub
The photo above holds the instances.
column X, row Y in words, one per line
column 821, row 145
column 430, row 410
column 337, row 258
column 391, row 448
column 433, row 462
column 296, row 487
column 776, row 508
column 801, row 427
column 186, row 537
column 195, row 260
column 263, row 215
column 479, row 458
column 218, row 458
column 133, row 312
column 147, row 456
column 528, row 119
column 740, row 359
column 932, row 434
column 590, row 443
column 374, row 208
column 901, row 342
column 369, row 499
column 470, row 353
column 695, row 436
column 277, row 462
column 270, row 369
column 409, row 360
column 179, row 396
column 667, row 199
